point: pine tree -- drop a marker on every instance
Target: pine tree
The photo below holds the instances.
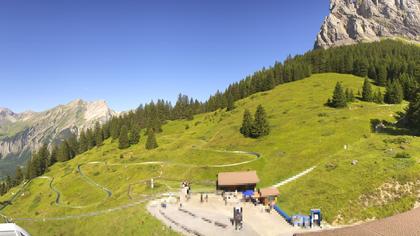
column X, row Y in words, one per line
column 261, row 126
column 18, row 176
column 99, row 136
column 83, row 142
column 382, row 75
column 123, row 139
column 114, row 128
column 367, row 94
column 2, row 189
column 73, row 146
column 372, row 73
column 230, row 103
column 90, row 136
column 43, row 158
column 247, row 123
column 53, row 155
column 134, row 135
column 413, row 113
column 394, row 93
column 63, row 152
column 339, row 98
column 35, row 167
column 378, row 97
column 28, row 169
column 410, row 86
column 151, row 140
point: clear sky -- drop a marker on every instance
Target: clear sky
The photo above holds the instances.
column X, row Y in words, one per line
column 129, row 52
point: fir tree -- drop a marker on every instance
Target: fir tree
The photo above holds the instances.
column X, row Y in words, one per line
column 151, row 140
column 64, row 152
column 83, row 142
column 18, row 176
column 99, row 136
column 230, row 103
column 410, row 86
column 123, row 139
column 114, row 128
column 367, row 94
column 73, row 146
column 261, row 126
column 247, row 123
column 53, row 155
column 43, row 159
column 378, row 97
column 413, row 113
column 134, row 135
column 382, row 75
column 394, row 93
column 339, row 98
column 90, row 136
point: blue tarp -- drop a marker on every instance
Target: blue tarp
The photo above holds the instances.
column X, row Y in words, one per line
column 248, row 193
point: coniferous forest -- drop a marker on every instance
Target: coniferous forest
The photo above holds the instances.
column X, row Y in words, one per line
column 392, row 64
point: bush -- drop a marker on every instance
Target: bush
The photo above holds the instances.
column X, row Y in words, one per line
column 399, row 140
column 402, row 155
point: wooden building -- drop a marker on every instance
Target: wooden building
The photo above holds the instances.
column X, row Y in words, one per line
column 268, row 195
column 237, row 181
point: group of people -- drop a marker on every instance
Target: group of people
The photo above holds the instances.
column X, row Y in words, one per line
column 204, row 197
column 186, row 190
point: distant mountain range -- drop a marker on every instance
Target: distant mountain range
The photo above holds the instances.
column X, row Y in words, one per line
column 353, row 21
column 20, row 133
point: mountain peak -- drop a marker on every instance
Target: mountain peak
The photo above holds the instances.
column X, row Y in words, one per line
column 6, row 110
column 353, row 21
column 7, row 115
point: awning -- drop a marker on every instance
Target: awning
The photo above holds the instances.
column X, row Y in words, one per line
column 248, row 193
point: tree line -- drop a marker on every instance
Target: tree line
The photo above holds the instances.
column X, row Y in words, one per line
column 388, row 63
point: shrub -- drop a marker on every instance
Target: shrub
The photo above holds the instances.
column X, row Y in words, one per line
column 402, row 155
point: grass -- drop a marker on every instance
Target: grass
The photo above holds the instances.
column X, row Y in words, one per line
column 304, row 133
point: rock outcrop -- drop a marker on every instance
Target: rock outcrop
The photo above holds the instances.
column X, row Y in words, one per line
column 22, row 132
column 353, row 21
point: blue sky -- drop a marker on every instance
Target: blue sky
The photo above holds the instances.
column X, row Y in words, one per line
column 129, row 52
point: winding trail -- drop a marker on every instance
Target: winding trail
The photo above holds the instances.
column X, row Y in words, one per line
column 109, row 192
column 144, row 197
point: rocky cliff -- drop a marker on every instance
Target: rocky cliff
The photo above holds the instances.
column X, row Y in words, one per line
column 352, row 21
column 22, row 132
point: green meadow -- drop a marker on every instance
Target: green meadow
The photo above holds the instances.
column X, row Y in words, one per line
column 304, row 133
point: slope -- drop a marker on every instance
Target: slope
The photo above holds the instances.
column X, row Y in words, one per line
column 103, row 191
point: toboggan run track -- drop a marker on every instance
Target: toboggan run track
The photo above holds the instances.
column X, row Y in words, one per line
column 109, row 193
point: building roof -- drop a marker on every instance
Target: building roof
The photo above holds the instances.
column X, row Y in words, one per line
column 266, row 192
column 11, row 227
column 237, row 178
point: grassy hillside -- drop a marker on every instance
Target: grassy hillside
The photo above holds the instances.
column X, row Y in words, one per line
column 107, row 196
